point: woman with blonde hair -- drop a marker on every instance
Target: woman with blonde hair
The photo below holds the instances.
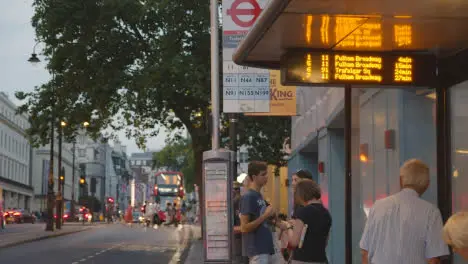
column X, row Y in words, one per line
column 455, row 233
column 307, row 233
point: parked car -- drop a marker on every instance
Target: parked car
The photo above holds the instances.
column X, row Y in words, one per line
column 22, row 216
column 9, row 216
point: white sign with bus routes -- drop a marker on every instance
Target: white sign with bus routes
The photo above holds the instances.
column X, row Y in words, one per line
column 245, row 89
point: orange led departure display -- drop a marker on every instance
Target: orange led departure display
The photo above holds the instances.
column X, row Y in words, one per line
column 308, row 68
column 353, row 32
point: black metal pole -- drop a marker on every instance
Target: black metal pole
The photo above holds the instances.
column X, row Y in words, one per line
column 233, row 137
column 58, row 221
column 62, row 209
column 444, row 159
column 348, row 174
column 73, row 183
column 50, row 184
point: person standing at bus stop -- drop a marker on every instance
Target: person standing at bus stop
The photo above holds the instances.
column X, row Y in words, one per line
column 257, row 238
column 297, row 177
column 403, row 228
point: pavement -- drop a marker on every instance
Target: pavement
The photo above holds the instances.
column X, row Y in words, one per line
column 103, row 244
column 195, row 251
column 16, row 234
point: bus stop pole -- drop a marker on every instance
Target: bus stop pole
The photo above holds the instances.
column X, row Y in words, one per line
column 214, row 73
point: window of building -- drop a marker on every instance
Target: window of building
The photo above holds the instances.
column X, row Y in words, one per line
column 82, row 140
column 81, row 152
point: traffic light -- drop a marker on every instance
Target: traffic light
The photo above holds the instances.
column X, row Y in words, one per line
column 62, row 176
column 82, row 181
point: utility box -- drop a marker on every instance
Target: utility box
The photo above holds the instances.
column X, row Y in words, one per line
column 217, row 206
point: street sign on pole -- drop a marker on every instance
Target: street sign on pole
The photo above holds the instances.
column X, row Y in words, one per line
column 245, row 89
column 251, row 13
column 217, row 213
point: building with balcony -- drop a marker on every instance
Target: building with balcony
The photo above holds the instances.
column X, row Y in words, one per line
column 16, row 189
column 142, row 165
column 92, row 156
column 121, row 167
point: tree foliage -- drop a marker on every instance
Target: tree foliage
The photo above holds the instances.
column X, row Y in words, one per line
column 177, row 156
column 133, row 65
column 265, row 136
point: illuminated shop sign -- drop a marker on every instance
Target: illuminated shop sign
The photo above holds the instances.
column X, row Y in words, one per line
column 361, row 68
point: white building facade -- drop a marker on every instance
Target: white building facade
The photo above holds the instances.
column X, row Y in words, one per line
column 91, row 156
column 40, row 174
column 16, row 190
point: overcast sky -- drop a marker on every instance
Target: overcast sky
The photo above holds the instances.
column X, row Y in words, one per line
column 17, row 40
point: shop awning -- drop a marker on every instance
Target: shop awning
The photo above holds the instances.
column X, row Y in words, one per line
column 437, row 26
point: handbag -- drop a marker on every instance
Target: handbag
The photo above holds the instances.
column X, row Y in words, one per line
column 301, row 243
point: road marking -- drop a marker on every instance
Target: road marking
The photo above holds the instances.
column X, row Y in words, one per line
column 98, row 253
column 178, row 254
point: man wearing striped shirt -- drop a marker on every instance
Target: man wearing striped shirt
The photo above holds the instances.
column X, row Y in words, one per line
column 403, row 228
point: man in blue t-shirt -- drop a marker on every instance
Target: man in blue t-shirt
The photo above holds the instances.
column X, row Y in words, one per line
column 257, row 239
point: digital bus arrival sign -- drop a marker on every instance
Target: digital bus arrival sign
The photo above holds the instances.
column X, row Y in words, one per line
column 358, row 68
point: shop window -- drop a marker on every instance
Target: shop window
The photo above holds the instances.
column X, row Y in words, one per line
column 390, row 126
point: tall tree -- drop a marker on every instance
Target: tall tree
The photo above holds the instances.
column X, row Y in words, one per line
column 124, row 63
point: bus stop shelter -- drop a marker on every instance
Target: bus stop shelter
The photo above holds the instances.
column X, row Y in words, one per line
column 418, row 46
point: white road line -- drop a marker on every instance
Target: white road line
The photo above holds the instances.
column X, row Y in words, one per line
column 98, row 253
column 176, row 258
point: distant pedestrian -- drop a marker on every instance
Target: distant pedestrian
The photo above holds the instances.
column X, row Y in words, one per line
column 129, row 215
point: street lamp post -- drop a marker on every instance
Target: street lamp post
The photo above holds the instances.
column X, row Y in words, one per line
column 50, row 182
column 58, row 221
column 73, row 182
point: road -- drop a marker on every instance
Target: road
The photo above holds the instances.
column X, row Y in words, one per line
column 104, row 244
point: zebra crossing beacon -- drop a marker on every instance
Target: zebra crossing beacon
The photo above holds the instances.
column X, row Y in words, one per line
column 369, row 73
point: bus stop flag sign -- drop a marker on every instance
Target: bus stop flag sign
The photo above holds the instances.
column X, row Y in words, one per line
column 245, row 89
column 235, row 12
